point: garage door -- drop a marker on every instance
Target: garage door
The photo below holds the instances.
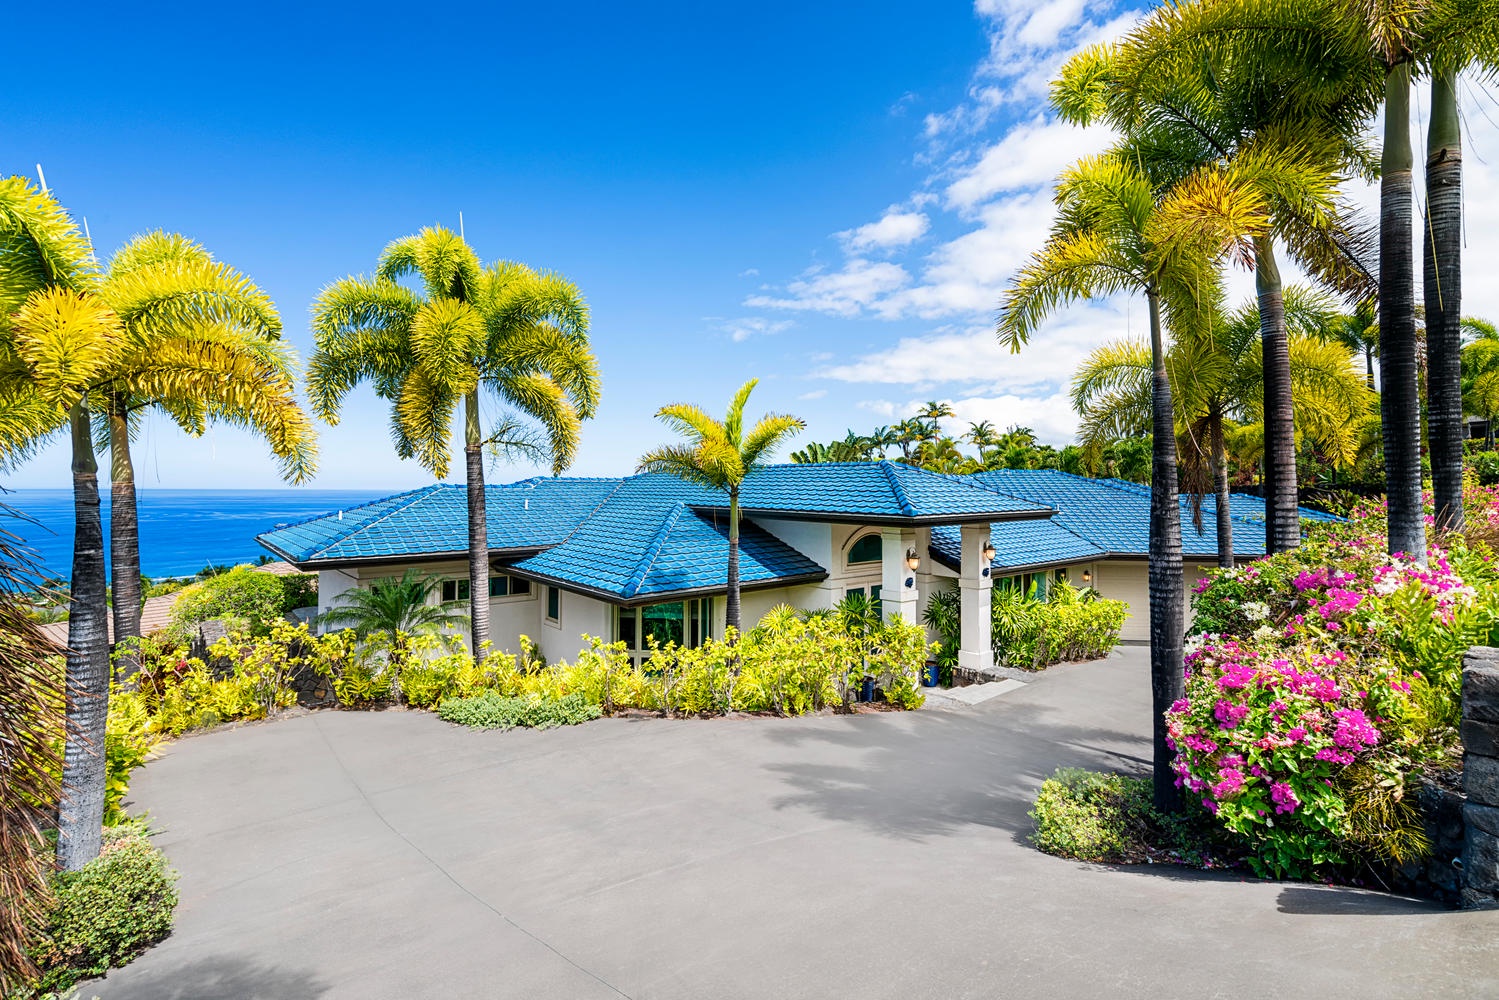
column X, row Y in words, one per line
column 1130, row 583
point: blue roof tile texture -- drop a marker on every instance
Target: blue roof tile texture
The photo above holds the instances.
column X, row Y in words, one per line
column 1017, row 543
column 644, row 542
column 1114, row 515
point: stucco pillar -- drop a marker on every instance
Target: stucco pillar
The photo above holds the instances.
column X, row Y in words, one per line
column 898, row 583
column 975, row 650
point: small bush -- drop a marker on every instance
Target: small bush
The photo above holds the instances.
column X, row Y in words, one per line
column 495, row 711
column 242, row 598
column 1104, row 817
column 106, row 913
column 1070, row 624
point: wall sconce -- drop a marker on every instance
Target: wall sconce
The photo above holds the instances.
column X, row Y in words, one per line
column 1087, row 578
column 988, row 552
column 913, row 561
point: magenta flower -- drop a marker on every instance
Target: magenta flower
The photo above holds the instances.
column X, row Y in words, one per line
column 1228, row 714
column 1284, row 797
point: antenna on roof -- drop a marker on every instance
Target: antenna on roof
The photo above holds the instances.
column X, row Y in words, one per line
column 42, row 177
column 340, row 515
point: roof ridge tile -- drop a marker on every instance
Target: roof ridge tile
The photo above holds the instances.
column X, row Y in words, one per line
column 652, row 550
column 906, row 506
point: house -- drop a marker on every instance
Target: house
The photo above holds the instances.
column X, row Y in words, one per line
column 645, row 556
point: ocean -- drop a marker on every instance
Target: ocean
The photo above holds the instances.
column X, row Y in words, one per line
column 181, row 530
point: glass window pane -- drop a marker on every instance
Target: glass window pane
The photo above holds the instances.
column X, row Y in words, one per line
column 450, row 590
column 519, row 585
column 624, row 628
column 499, row 586
column 866, row 550
column 463, row 590
column 663, row 622
column 875, row 602
column 554, row 603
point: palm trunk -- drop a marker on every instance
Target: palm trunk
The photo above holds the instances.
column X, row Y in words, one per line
column 80, row 822
column 124, row 545
column 731, row 605
column 1282, row 514
column 1399, row 401
column 1443, row 294
column 478, row 527
column 1369, row 367
column 1220, row 492
column 1167, row 587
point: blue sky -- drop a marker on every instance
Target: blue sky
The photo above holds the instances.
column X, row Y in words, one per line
column 827, row 200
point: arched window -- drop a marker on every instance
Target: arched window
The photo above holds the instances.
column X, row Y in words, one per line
column 865, row 550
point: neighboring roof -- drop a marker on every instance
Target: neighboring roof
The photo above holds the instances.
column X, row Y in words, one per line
column 156, row 614
column 642, row 545
column 535, row 514
column 279, row 568
column 1113, row 515
column 523, row 517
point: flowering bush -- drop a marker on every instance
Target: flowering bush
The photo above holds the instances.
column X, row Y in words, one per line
column 1320, row 680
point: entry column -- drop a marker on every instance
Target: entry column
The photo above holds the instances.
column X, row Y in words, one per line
column 897, row 579
column 975, row 648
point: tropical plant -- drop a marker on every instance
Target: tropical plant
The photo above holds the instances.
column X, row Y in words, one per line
column 201, row 344
column 31, row 717
column 1218, row 380
column 1119, row 230
column 396, row 607
column 520, row 335
column 719, row 454
column 1294, row 129
column 244, row 599
column 60, row 342
column 1480, row 373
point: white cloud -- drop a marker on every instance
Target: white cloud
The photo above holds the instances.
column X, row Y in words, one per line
column 749, row 272
column 814, row 394
column 1030, row 155
column 973, row 355
column 845, row 292
column 1050, row 416
column 895, row 228
column 744, row 328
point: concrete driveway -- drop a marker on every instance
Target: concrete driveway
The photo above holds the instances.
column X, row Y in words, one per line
column 389, row 855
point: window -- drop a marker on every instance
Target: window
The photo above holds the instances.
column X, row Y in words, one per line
column 554, row 604
column 455, row 590
column 866, row 550
column 874, row 597
column 685, row 623
column 508, row 586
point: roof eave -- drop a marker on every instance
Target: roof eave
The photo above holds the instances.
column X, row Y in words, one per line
column 884, row 520
column 642, row 600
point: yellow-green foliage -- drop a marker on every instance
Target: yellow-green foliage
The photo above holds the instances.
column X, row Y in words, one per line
column 129, row 741
column 1070, row 624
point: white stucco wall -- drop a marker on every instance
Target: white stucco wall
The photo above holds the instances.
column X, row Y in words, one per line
column 1128, row 580
column 578, row 615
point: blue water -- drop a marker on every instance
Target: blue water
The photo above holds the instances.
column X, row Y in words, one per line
column 181, row 530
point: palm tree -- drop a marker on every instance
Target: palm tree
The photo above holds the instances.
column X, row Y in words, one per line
column 520, row 334
column 1119, row 230
column 202, row 345
column 1396, row 41
column 397, row 607
column 1469, row 34
column 934, row 411
column 1480, row 373
column 718, row 454
column 981, row 435
column 59, row 342
column 1219, row 380
column 31, row 716
column 1224, row 106
column 1359, row 332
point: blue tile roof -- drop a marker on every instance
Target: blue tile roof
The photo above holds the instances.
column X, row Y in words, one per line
column 1114, row 515
column 1018, row 543
column 643, row 542
column 527, row 515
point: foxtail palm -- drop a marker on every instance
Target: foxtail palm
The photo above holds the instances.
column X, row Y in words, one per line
column 1226, row 105
column 719, row 454
column 1480, row 373
column 520, row 335
column 201, row 345
column 56, row 344
column 1119, row 230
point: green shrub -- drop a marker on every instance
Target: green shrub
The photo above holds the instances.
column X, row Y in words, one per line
column 1105, row 817
column 245, row 600
column 1070, row 624
column 106, row 913
column 495, row 711
column 129, row 741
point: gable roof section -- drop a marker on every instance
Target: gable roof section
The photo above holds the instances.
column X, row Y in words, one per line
column 1113, row 515
column 432, row 521
column 645, row 544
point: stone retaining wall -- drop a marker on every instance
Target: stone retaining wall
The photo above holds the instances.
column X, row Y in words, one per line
column 1480, row 732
